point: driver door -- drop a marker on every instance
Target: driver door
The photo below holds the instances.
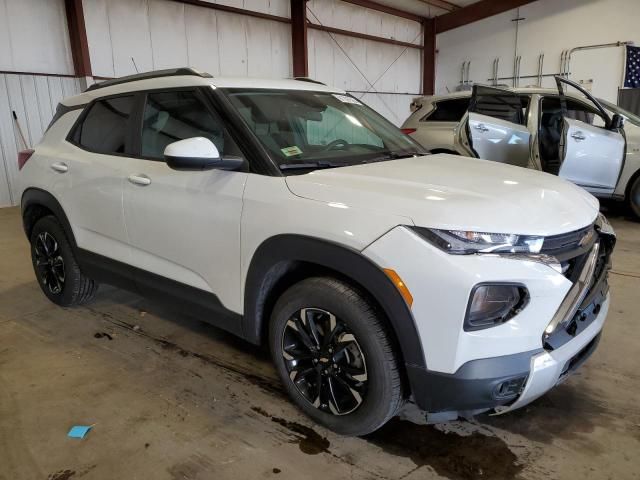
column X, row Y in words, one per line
column 494, row 127
column 592, row 156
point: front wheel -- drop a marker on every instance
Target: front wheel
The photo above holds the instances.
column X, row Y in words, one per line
column 633, row 198
column 334, row 354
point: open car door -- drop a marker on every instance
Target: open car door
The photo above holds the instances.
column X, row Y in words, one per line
column 494, row 127
column 592, row 156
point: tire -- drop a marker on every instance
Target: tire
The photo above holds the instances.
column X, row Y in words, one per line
column 361, row 364
column 55, row 266
column 633, row 198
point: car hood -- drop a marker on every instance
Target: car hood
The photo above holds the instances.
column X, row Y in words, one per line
column 453, row 192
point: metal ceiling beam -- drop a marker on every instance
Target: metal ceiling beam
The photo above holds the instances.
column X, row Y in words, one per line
column 299, row 49
column 78, row 38
column 474, row 12
column 373, row 38
column 239, row 11
column 385, row 9
column 443, row 4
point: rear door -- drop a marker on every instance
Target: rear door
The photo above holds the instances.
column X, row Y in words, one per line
column 495, row 127
column 592, row 153
column 93, row 159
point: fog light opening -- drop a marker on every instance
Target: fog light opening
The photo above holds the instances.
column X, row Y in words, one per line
column 494, row 304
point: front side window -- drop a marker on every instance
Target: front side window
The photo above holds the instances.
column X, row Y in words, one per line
column 177, row 115
column 106, row 125
column 306, row 129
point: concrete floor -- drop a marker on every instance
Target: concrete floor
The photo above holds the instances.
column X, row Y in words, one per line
column 173, row 398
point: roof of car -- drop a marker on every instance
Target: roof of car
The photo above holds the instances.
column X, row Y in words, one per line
column 467, row 93
column 176, row 78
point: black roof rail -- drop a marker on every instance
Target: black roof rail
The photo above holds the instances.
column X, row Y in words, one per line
column 310, row 80
column 170, row 72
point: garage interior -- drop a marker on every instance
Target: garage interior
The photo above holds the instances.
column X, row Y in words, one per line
column 169, row 396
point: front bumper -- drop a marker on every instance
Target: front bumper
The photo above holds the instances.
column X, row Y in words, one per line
column 503, row 367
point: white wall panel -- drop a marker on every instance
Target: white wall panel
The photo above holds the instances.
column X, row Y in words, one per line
column 329, row 64
column 549, row 27
column 339, row 14
column 169, row 34
column 34, row 36
column 34, row 99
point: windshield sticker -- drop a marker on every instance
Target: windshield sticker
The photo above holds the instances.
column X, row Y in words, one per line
column 291, row 151
column 346, row 99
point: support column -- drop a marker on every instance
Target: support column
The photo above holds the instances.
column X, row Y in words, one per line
column 78, row 38
column 429, row 56
column 299, row 38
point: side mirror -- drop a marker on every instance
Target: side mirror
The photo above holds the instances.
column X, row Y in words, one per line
column 617, row 122
column 198, row 153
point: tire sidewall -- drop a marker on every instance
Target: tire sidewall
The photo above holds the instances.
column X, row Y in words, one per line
column 378, row 401
column 633, row 207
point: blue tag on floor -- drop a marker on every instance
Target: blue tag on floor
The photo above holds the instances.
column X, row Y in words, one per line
column 79, row 431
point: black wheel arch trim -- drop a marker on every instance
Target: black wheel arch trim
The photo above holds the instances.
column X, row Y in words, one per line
column 34, row 197
column 270, row 261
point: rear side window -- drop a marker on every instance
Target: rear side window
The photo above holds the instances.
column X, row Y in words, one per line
column 105, row 127
column 498, row 103
column 448, row 111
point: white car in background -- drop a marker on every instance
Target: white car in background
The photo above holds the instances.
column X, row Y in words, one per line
column 528, row 127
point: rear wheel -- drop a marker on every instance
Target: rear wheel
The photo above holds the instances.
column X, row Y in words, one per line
column 55, row 266
column 633, row 198
column 335, row 357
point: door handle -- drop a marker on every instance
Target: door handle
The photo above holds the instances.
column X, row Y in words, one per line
column 140, row 179
column 578, row 136
column 60, row 167
column 481, row 127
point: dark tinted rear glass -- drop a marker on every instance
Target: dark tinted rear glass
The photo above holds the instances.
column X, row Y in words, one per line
column 105, row 127
column 497, row 103
column 448, row 110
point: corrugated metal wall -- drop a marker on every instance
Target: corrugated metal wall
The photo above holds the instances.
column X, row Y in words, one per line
column 162, row 34
column 330, row 64
column 34, row 99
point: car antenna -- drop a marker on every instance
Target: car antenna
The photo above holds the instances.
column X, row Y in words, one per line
column 134, row 64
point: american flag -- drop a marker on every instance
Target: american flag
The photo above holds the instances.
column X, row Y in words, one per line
column 632, row 69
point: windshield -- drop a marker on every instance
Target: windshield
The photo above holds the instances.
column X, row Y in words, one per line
column 305, row 130
column 631, row 117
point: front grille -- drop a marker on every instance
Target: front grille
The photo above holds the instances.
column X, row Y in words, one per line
column 566, row 242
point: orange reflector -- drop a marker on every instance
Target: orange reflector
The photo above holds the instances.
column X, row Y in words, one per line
column 400, row 285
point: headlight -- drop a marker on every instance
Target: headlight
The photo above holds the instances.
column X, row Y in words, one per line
column 461, row 242
column 493, row 304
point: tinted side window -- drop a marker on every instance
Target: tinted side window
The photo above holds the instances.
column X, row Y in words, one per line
column 448, row 110
column 497, row 103
column 105, row 127
column 172, row 116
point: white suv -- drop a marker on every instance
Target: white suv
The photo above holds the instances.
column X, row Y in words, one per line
column 292, row 215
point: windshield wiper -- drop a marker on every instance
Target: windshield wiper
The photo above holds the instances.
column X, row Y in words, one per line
column 309, row 165
column 394, row 156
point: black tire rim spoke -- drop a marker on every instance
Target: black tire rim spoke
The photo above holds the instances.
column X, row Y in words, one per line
column 49, row 262
column 324, row 361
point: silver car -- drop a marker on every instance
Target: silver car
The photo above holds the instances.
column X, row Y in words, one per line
column 563, row 131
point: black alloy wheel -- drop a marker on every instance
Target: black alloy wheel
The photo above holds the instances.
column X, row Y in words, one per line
column 55, row 265
column 324, row 361
column 49, row 262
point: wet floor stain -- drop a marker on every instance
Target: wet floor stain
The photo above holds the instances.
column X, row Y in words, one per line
column 567, row 412
column 309, row 441
column 61, row 475
column 451, row 455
